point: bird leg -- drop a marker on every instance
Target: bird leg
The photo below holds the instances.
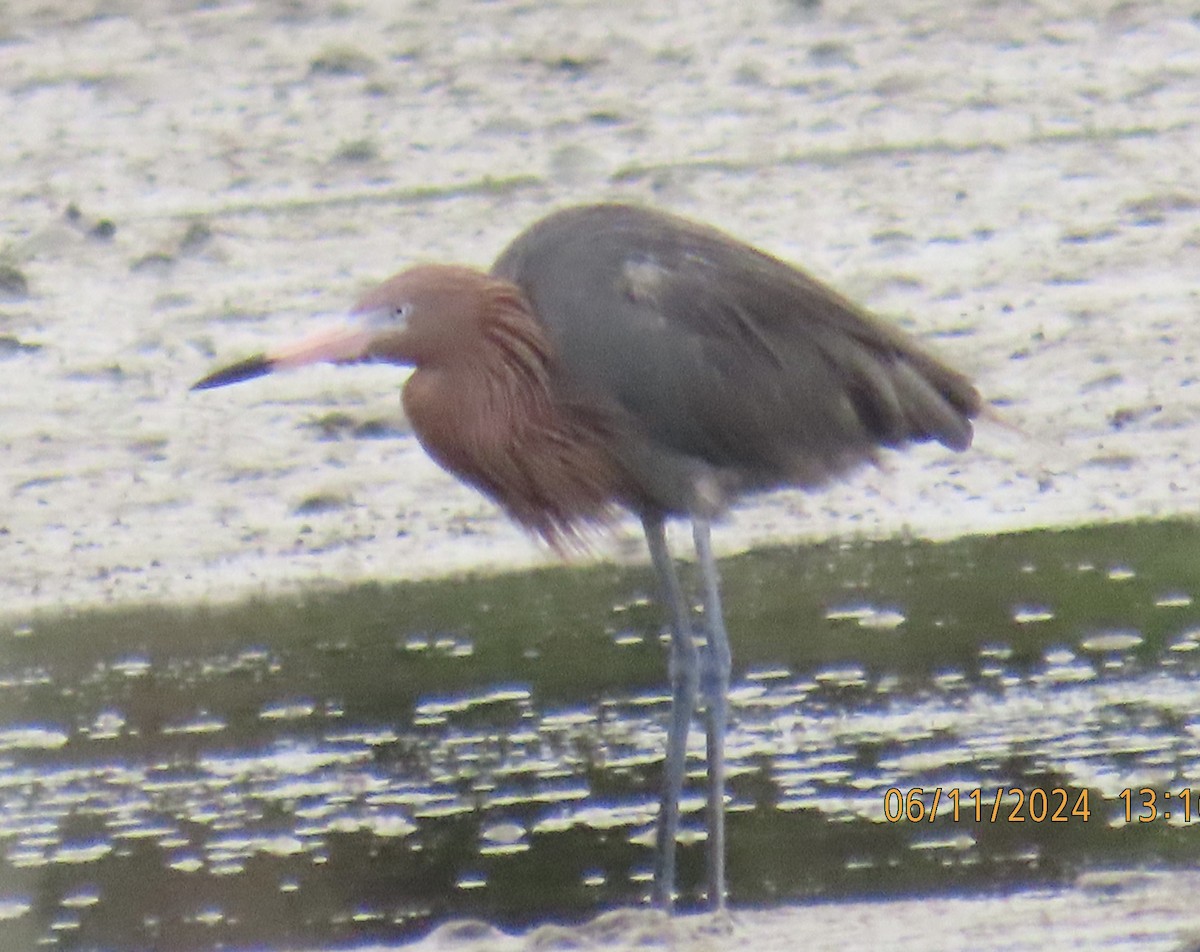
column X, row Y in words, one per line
column 685, row 677
column 717, row 661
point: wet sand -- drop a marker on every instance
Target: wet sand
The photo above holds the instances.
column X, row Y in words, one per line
column 1143, row 911
column 1014, row 182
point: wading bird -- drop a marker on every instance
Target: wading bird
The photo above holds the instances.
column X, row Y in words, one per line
column 619, row 357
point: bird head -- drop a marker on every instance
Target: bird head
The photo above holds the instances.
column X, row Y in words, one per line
column 421, row 317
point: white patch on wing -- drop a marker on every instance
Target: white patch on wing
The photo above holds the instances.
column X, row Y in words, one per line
column 642, row 280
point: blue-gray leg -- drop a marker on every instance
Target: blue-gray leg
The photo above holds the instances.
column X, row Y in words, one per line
column 685, row 678
column 717, row 661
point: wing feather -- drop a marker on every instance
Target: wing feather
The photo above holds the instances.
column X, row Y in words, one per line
column 726, row 354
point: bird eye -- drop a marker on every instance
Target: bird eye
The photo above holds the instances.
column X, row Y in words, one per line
column 401, row 312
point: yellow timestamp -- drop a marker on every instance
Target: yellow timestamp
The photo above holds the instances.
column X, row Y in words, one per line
column 995, row 805
column 1147, row 804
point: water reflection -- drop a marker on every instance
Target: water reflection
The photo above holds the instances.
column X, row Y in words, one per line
column 317, row 773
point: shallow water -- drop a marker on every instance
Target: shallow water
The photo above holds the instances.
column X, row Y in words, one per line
column 362, row 765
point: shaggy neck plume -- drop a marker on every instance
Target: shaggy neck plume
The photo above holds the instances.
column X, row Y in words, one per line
column 494, row 418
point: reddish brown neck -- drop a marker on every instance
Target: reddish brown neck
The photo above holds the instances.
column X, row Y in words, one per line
column 492, row 417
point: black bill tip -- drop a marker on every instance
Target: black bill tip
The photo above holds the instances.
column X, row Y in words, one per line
column 246, row 369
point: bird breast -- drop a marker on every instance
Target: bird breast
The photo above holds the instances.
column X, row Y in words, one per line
column 546, row 460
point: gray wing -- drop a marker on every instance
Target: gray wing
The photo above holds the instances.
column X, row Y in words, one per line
column 725, row 354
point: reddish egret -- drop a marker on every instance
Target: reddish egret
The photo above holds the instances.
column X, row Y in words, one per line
column 619, row 357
